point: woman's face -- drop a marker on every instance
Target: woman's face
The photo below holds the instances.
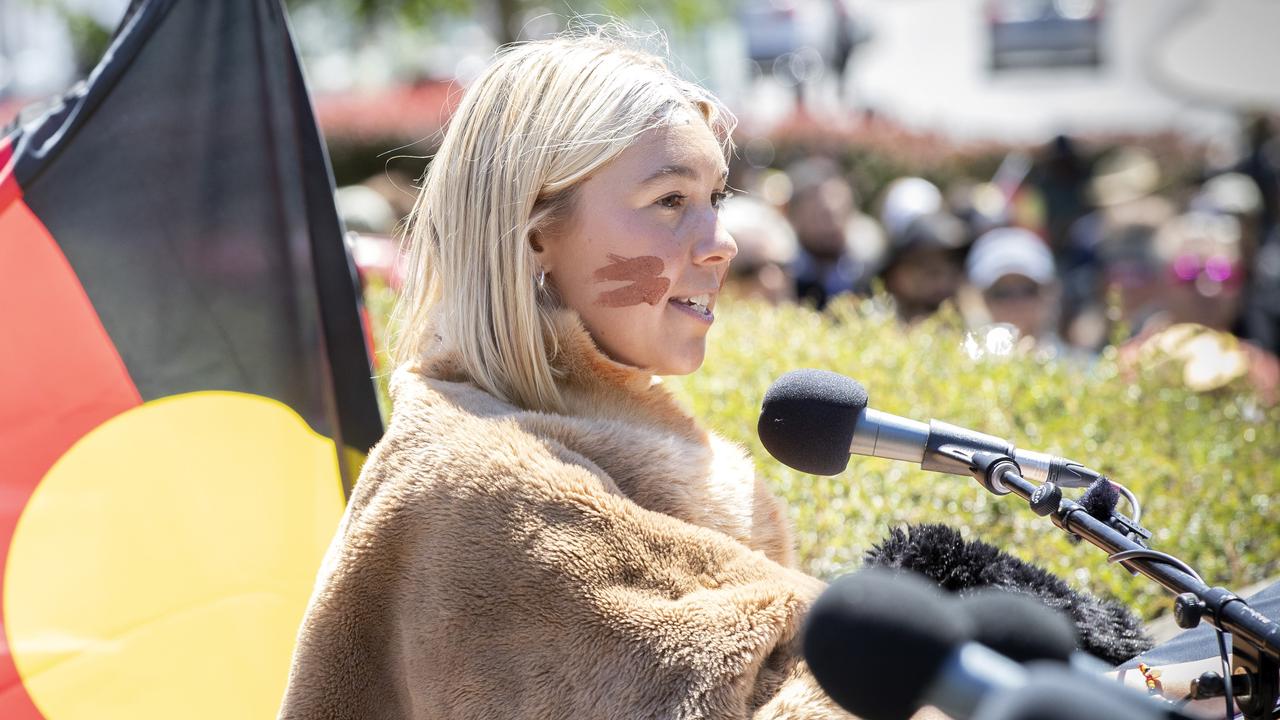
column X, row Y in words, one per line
column 644, row 255
column 922, row 280
column 1022, row 302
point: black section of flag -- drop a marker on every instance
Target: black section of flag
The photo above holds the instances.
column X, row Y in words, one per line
column 188, row 187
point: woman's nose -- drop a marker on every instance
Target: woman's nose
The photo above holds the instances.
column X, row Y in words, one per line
column 715, row 245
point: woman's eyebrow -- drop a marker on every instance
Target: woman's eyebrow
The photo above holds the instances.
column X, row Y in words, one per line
column 683, row 171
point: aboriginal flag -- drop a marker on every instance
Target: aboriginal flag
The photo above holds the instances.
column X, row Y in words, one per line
column 185, row 390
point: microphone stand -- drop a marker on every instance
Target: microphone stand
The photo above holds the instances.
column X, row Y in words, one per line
column 1256, row 647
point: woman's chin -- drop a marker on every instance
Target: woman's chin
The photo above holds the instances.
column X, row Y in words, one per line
column 682, row 363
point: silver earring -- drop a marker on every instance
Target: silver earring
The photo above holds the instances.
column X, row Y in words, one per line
column 542, row 279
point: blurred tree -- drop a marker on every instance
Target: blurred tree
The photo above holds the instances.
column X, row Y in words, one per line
column 507, row 17
column 90, row 35
column 89, row 38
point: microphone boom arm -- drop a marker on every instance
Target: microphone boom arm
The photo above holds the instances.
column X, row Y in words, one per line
column 1258, row 654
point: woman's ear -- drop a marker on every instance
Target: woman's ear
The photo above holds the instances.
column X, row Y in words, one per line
column 549, row 220
column 541, row 258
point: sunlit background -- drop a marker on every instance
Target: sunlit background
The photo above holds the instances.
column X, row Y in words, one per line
column 972, row 69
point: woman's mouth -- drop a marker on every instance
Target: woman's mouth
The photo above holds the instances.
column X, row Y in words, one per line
column 697, row 305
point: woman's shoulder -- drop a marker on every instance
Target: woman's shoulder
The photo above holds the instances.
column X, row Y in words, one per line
column 451, row 447
column 417, row 390
column 443, row 421
column 441, row 428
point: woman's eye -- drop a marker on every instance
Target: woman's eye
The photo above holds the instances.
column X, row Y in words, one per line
column 672, row 201
column 718, row 198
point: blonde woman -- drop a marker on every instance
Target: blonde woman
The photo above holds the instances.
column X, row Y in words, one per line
column 543, row 532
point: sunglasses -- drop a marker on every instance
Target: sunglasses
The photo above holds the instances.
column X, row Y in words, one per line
column 1188, row 268
column 1009, row 293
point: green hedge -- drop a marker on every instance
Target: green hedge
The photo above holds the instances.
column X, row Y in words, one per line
column 1206, row 465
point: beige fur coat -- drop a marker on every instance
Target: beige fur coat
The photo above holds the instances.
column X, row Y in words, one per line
column 617, row 561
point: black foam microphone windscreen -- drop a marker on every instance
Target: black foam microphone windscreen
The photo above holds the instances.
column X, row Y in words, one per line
column 1107, row 629
column 876, row 639
column 808, row 418
column 1018, row 626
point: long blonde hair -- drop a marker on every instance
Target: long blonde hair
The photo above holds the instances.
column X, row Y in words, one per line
column 542, row 118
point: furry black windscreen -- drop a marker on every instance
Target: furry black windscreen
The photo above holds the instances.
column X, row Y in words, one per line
column 1106, row 629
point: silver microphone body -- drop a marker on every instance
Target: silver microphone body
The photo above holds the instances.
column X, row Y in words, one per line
column 884, row 435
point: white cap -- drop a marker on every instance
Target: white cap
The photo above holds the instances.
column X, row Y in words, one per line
column 365, row 210
column 1009, row 251
column 906, row 199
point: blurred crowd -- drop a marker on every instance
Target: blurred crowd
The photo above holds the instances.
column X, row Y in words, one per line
column 1067, row 249
column 1071, row 250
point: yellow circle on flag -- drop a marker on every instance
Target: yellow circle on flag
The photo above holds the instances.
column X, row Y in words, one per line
column 162, row 566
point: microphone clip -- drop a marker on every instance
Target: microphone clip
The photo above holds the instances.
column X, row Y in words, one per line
column 987, row 467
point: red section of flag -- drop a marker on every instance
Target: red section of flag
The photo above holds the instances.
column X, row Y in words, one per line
column 367, row 326
column 9, row 190
column 62, row 378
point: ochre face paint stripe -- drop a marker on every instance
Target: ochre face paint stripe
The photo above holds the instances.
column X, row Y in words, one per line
column 645, row 275
column 60, row 377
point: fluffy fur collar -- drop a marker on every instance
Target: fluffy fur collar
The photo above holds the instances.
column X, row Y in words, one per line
column 624, row 423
